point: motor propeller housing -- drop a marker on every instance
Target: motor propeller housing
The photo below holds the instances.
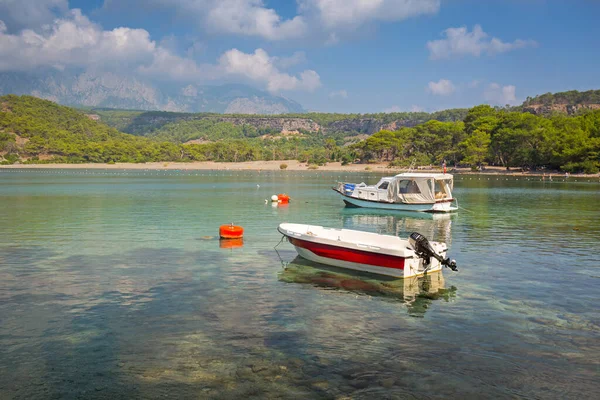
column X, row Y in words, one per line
column 426, row 252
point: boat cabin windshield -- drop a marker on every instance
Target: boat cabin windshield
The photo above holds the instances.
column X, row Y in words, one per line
column 420, row 188
column 409, row 186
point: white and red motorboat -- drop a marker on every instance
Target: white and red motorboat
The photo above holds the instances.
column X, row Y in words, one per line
column 366, row 251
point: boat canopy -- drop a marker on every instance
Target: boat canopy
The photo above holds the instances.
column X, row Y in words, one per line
column 415, row 188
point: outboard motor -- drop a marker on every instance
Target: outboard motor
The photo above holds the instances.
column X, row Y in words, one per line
column 425, row 251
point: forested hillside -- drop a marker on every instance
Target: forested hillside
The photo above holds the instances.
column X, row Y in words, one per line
column 34, row 130
column 495, row 137
column 570, row 103
column 571, row 97
column 148, row 123
column 38, row 130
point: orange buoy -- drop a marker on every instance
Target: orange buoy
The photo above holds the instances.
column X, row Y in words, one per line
column 283, row 198
column 231, row 231
column 231, row 243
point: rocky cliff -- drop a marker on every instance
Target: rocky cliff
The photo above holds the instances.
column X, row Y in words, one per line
column 145, row 123
column 276, row 124
column 569, row 102
column 368, row 125
column 570, row 109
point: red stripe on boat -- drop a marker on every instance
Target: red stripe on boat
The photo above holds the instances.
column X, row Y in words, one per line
column 351, row 255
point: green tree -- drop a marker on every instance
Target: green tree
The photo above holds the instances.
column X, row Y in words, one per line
column 476, row 147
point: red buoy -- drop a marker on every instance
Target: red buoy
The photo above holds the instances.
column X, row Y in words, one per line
column 231, row 231
column 283, row 198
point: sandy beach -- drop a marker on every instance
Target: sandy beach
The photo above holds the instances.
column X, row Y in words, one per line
column 292, row 165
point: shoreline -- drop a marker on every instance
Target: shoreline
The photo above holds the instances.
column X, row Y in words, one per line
column 292, row 165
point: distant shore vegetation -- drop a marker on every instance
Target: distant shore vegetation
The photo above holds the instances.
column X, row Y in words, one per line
column 33, row 130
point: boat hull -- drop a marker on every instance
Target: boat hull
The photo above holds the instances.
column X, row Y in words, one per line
column 441, row 207
column 323, row 251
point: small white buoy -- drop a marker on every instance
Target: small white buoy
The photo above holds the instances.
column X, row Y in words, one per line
column 274, row 198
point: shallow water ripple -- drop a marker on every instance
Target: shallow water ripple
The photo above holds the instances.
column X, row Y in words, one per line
column 113, row 285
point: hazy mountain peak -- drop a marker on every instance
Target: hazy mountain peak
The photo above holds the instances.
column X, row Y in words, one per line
column 112, row 90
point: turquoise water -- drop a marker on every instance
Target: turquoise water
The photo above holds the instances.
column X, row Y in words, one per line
column 114, row 285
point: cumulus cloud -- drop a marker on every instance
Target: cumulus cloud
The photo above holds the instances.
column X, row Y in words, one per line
column 242, row 17
column 168, row 66
column 342, row 94
column 19, row 14
column 500, row 95
column 443, row 87
column 327, row 18
column 460, row 42
column 260, row 67
column 250, row 17
column 74, row 41
column 345, row 13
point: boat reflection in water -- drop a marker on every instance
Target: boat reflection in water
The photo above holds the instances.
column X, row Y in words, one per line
column 417, row 292
column 435, row 227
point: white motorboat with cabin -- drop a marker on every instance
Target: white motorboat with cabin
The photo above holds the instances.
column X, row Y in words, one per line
column 410, row 191
column 366, row 251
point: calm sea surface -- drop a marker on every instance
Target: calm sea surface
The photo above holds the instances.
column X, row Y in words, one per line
column 114, row 285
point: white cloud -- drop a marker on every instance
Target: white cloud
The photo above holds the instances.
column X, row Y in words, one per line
column 328, row 19
column 310, row 80
column 250, row 17
column 460, row 42
column 168, row 66
column 260, row 67
column 74, row 41
column 195, row 49
column 240, row 17
column 500, row 95
column 352, row 13
column 443, row 87
column 342, row 94
column 19, row 14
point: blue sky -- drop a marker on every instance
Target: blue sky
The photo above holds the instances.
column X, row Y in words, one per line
column 329, row 55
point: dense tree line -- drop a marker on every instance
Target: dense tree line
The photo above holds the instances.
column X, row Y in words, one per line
column 52, row 133
column 47, row 130
column 570, row 97
column 495, row 137
column 35, row 130
column 151, row 122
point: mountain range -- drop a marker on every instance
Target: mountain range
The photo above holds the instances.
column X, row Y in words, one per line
column 111, row 90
